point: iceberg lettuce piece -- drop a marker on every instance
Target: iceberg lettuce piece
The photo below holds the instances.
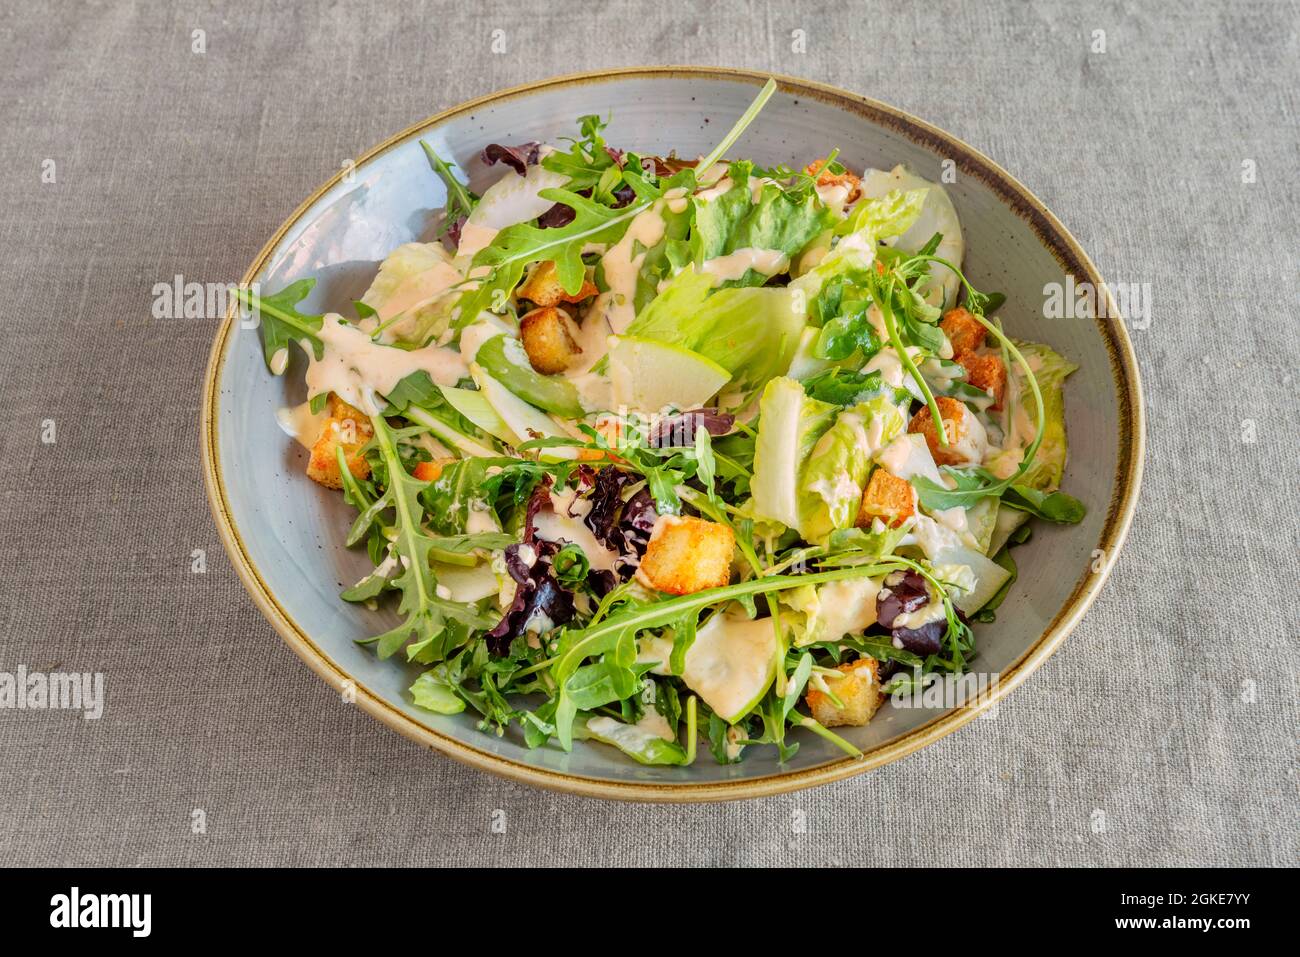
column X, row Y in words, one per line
column 942, row 546
column 790, row 423
column 751, row 332
column 1050, row 369
column 889, row 215
column 937, row 215
column 410, row 294
column 837, row 470
column 884, row 217
column 755, row 217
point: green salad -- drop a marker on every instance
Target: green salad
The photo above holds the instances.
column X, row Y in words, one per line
column 656, row 452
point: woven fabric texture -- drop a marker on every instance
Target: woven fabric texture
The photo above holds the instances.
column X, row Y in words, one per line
column 1162, row 732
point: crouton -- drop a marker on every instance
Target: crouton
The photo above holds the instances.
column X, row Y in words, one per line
column 687, row 555
column 846, row 179
column 542, row 287
column 967, row 441
column 430, row 471
column 888, row 498
column 346, row 427
column 548, row 339
column 963, row 330
column 985, row 372
column 859, row 690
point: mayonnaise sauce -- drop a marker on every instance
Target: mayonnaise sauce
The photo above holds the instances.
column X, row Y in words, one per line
column 734, row 265
column 300, row 423
column 557, row 525
column 358, row 369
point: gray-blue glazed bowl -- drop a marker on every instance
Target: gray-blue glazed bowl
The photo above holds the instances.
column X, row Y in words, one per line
column 284, row 533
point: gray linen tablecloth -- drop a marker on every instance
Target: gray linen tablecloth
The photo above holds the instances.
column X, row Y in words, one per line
column 1163, row 731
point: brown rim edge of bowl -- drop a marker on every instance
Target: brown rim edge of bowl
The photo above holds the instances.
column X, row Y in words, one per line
column 1119, row 516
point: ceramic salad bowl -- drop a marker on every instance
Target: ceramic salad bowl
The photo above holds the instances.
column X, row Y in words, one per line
column 284, row 533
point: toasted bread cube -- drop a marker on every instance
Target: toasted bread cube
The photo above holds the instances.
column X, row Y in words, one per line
column 542, row 287
column 548, row 340
column 346, row 427
column 963, row 330
column 687, row 555
column 826, row 178
column 887, row 498
column 965, row 434
column 985, row 372
column 430, row 471
column 859, row 690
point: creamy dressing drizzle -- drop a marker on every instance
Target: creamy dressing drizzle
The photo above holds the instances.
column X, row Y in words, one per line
column 734, row 265
column 357, row 369
column 300, row 423
column 563, row 523
column 474, row 237
column 713, row 192
column 612, row 311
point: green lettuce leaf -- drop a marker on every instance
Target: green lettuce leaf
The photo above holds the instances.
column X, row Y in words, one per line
column 751, row 332
column 891, row 215
column 776, row 220
column 432, row 691
column 837, row 469
column 1050, row 369
column 790, row 425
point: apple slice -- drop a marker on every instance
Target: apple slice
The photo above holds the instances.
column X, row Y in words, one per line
column 732, row 663
column 521, row 419
column 647, row 375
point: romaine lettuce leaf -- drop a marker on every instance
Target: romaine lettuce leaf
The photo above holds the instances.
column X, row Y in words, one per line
column 937, row 215
column 790, row 423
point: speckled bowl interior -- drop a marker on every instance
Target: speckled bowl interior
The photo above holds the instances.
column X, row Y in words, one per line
column 285, row 533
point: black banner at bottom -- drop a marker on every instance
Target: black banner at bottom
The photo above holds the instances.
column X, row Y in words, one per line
column 88, row 906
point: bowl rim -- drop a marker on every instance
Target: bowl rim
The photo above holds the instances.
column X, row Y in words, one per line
column 1050, row 231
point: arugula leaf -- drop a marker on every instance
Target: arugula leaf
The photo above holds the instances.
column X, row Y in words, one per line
column 515, row 247
column 460, row 201
column 426, row 613
column 971, row 485
column 465, row 544
column 621, row 628
column 796, row 683
column 587, row 160
column 280, row 321
column 1054, row 506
